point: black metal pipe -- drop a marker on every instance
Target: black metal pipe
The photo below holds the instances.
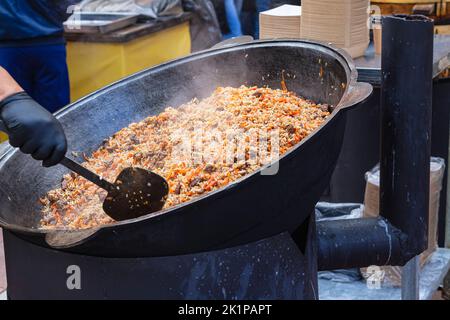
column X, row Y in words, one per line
column 359, row 243
column 401, row 232
column 406, row 94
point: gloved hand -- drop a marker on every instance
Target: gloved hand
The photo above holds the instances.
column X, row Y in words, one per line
column 33, row 129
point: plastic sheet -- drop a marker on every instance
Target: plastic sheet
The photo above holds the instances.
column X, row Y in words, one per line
column 204, row 26
column 341, row 275
column 150, row 8
column 430, row 278
column 338, row 211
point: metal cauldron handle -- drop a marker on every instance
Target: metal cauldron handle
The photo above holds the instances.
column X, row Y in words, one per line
column 63, row 239
column 356, row 94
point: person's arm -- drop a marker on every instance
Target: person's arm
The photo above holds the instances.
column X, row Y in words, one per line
column 30, row 127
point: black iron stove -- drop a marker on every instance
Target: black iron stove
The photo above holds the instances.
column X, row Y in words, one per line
column 273, row 268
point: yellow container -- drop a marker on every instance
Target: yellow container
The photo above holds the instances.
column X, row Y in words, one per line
column 93, row 65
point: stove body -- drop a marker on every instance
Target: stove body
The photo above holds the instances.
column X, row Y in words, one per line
column 273, row 268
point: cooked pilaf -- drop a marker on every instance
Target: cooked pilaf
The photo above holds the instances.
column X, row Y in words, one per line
column 155, row 144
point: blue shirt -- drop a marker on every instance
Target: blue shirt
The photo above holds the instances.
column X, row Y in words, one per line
column 30, row 21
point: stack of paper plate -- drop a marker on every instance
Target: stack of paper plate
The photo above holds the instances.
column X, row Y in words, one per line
column 281, row 22
column 343, row 23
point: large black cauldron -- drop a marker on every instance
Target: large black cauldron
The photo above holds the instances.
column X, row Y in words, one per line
column 253, row 208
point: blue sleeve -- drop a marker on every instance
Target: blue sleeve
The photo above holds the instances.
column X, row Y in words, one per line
column 29, row 19
column 234, row 24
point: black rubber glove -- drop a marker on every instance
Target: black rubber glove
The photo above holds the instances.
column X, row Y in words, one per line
column 33, row 129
